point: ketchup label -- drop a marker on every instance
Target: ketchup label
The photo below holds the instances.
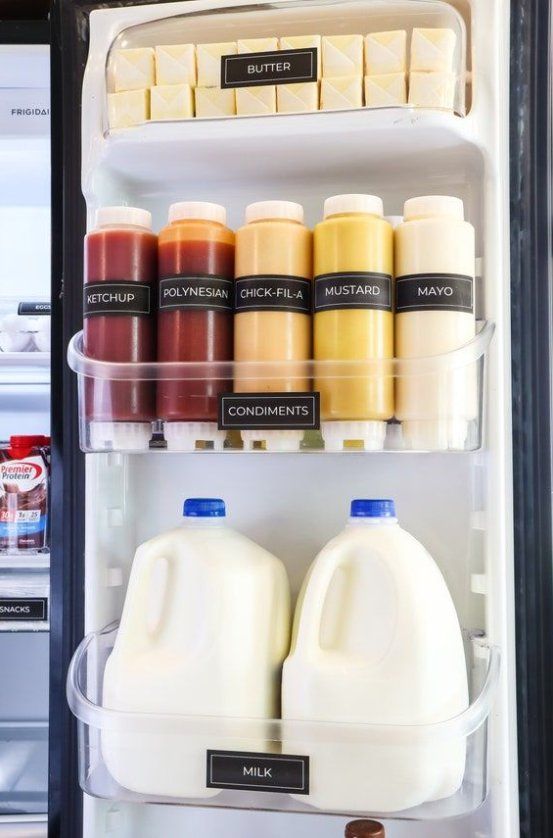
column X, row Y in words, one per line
column 435, row 292
column 195, row 292
column 359, row 289
column 273, row 293
column 108, row 298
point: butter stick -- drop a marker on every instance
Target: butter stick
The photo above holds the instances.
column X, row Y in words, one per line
column 128, row 108
column 433, row 50
column 171, row 101
column 256, row 100
column 386, row 52
column 212, row 101
column 341, row 93
column 208, row 59
column 305, row 42
column 385, row 91
column 296, row 98
column 176, row 64
column 257, row 45
column 342, row 56
column 432, row 90
column 132, row 69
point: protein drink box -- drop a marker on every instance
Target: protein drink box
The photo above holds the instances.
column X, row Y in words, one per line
column 24, row 490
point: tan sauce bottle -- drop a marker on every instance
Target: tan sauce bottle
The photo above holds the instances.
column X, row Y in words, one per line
column 434, row 258
column 354, row 321
column 272, row 321
column 364, row 829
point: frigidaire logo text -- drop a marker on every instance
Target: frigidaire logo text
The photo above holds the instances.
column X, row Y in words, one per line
column 30, row 111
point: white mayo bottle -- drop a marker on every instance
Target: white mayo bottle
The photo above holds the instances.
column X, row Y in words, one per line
column 434, row 268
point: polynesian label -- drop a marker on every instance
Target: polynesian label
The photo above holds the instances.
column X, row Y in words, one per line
column 358, row 289
column 260, row 772
column 253, row 69
column 272, row 293
column 435, row 292
column 195, row 292
column 109, row 298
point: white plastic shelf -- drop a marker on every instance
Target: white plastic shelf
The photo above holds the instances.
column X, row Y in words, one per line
column 23, row 770
column 25, row 560
column 25, row 369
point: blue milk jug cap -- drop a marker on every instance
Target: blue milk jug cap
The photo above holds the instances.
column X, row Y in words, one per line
column 204, row 508
column 363, row 508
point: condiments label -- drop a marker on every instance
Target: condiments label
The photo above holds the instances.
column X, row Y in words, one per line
column 34, row 308
column 34, row 609
column 257, row 772
column 107, row 298
column 269, row 411
column 286, row 66
column 272, row 293
column 435, row 292
column 195, row 292
column 353, row 290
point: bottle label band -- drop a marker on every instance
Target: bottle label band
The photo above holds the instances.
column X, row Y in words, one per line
column 273, row 293
column 204, row 293
column 435, row 292
column 110, row 298
column 358, row 289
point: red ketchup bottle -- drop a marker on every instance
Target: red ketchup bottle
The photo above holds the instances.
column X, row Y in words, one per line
column 195, row 319
column 118, row 309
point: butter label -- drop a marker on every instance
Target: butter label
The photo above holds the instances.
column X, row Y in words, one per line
column 260, row 772
column 272, row 293
column 360, row 289
column 435, row 292
column 252, row 69
column 196, row 292
column 108, row 298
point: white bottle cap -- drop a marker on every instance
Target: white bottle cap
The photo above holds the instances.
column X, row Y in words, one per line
column 432, row 206
column 363, row 204
column 197, row 211
column 394, row 220
column 269, row 210
column 123, row 217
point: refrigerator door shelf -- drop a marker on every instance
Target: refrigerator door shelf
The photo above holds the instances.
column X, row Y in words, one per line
column 25, row 560
column 129, row 739
column 23, row 770
column 439, row 399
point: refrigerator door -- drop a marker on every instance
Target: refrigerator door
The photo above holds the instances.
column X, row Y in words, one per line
column 103, row 509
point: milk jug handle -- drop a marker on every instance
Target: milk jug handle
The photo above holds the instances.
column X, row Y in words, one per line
column 134, row 630
column 311, row 615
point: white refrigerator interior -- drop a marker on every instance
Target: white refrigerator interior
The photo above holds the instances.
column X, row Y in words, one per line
column 24, row 409
column 457, row 504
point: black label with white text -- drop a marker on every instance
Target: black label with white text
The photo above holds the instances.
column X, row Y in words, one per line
column 360, row 289
column 437, row 292
column 105, row 298
column 34, row 308
column 269, row 411
column 260, row 772
column 33, row 609
column 195, row 292
column 252, row 69
column 272, row 293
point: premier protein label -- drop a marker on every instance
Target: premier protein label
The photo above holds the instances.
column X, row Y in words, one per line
column 253, row 69
column 257, row 772
column 108, row 298
column 196, row 292
column 435, row 292
column 361, row 289
column 269, row 411
column 272, row 293
column 34, row 609
column 19, row 476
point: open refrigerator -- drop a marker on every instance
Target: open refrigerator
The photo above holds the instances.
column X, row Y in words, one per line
column 483, row 510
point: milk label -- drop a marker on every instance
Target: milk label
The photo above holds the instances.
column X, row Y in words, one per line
column 109, row 298
column 435, row 292
column 362, row 289
column 238, row 770
column 195, row 292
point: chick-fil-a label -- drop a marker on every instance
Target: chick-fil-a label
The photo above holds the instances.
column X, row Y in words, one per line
column 273, row 293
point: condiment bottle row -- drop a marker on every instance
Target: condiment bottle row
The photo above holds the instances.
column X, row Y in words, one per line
column 356, row 290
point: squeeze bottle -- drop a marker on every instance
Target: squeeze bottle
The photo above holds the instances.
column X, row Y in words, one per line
column 434, row 258
column 364, row 829
column 118, row 308
column 376, row 641
column 196, row 272
column 204, row 632
column 272, row 321
column 354, row 320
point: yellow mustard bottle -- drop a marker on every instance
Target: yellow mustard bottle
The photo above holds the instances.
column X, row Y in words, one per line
column 354, row 321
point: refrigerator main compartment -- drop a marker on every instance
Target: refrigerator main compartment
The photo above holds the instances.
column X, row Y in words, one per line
column 458, row 505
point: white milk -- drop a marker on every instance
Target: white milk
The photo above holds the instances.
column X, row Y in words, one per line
column 376, row 641
column 434, row 268
column 204, row 632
